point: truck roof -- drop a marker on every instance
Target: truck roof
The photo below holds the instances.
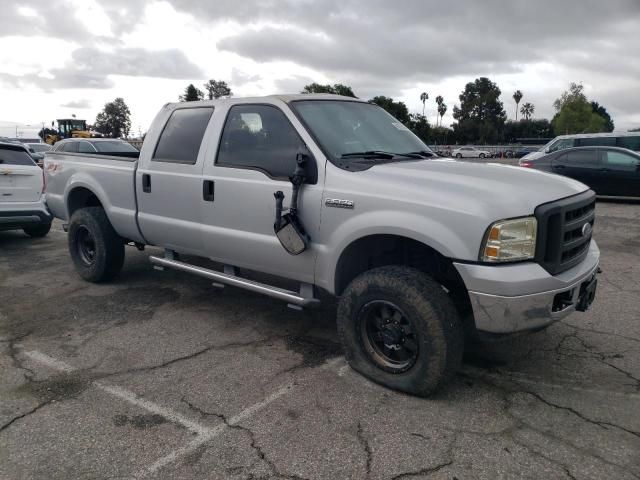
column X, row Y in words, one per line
column 282, row 97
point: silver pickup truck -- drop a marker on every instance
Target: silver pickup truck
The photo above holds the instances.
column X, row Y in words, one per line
column 335, row 194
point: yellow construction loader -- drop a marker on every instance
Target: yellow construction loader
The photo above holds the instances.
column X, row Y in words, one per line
column 69, row 128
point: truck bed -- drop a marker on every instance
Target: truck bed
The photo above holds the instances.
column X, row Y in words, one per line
column 111, row 178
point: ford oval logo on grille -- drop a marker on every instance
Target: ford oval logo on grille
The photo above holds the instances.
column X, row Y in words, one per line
column 586, row 229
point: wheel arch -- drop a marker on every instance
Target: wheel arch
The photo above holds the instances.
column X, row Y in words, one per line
column 81, row 196
column 376, row 250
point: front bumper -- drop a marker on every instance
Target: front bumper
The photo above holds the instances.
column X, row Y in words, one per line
column 519, row 297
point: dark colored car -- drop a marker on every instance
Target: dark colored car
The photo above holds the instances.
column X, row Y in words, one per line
column 97, row 146
column 609, row 171
column 521, row 152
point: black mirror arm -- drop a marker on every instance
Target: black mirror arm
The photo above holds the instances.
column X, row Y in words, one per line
column 297, row 179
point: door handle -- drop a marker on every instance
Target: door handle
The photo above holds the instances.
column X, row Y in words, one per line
column 208, row 189
column 605, row 169
column 146, row 183
column 558, row 167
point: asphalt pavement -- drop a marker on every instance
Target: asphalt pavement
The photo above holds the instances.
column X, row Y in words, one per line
column 159, row 375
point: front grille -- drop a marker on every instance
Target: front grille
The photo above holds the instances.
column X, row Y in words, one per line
column 561, row 243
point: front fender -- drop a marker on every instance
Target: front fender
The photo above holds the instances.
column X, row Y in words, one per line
column 404, row 224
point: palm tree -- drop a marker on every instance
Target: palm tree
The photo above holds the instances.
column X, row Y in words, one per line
column 442, row 109
column 424, row 96
column 527, row 110
column 439, row 102
column 517, row 96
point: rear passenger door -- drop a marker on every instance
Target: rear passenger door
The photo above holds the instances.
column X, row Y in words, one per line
column 581, row 165
column 255, row 156
column 620, row 174
column 169, row 184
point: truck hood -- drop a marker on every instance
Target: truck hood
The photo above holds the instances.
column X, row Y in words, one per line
column 492, row 191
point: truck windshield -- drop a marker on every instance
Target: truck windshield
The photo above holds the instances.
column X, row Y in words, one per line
column 350, row 131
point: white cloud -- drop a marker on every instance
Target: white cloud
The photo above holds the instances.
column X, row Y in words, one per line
column 147, row 51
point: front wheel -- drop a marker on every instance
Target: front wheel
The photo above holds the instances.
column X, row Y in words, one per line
column 95, row 248
column 400, row 329
column 481, row 155
column 458, row 155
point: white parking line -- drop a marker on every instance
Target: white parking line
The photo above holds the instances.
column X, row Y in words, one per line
column 123, row 394
column 214, row 432
column 243, row 415
column 204, row 434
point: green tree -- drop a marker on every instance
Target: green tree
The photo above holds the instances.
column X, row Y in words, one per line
column 441, row 136
column 114, row 120
column 481, row 115
column 398, row 109
column 517, row 96
column 419, row 125
column 424, row 96
column 609, row 126
column 439, row 103
column 442, row 109
column 527, row 110
column 336, row 89
column 575, row 114
column 191, row 94
column 217, row 89
column 539, row 128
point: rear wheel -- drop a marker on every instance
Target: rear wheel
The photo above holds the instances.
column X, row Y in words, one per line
column 400, row 329
column 37, row 231
column 95, row 248
column 481, row 155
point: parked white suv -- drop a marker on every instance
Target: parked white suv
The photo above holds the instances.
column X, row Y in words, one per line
column 464, row 152
column 22, row 203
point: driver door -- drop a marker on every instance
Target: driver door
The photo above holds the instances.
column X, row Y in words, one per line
column 255, row 156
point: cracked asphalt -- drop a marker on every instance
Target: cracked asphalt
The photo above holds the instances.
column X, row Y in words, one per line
column 159, row 375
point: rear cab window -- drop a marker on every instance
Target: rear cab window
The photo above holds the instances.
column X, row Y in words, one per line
column 182, row 135
column 15, row 156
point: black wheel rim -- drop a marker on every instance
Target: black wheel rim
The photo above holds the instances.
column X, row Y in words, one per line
column 388, row 336
column 86, row 245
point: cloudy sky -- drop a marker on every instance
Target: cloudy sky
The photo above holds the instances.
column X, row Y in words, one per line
column 63, row 57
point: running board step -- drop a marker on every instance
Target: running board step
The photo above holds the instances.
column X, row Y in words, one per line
column 235, row 281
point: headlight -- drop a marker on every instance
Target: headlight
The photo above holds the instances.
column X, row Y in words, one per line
column 510, row 240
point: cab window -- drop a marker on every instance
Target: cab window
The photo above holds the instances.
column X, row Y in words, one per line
column 182, row 135
column 259, row 137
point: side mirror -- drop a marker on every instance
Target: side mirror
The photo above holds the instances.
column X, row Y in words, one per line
column 306, row 168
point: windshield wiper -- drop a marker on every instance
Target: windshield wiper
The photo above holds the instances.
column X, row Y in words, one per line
column 420, row 154
column 369, row 154
column 386, row 155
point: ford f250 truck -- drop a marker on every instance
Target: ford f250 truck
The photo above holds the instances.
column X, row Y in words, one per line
column 335, row 194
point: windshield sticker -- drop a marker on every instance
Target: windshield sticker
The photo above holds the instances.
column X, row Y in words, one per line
column 399, row 126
